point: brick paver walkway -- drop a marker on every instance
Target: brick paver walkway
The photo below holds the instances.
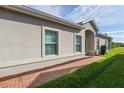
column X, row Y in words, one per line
column 41, row 76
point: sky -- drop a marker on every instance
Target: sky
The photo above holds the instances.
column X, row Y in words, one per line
column 109, row 19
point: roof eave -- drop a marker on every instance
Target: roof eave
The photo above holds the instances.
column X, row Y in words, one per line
column 94, row 24
column 101, row 35
column 39, row 14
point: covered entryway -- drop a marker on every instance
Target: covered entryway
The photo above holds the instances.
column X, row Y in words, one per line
column 89, row 42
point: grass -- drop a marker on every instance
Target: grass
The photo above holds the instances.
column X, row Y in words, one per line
column 108, row 72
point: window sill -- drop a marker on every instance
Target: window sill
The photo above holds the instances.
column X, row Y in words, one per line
column 50, row 56
column 78, row 53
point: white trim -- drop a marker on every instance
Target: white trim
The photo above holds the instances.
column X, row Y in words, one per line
column 75, row 43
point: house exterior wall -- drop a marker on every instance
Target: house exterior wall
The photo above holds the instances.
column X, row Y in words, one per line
column 22, row 43
column 19, row 41
column 102, row 41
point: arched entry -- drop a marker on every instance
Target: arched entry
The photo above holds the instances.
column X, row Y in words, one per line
column 89, row 42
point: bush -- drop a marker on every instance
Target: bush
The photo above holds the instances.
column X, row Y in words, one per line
column 103, row 49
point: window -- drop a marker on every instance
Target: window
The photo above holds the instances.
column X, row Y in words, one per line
column 78, row 43
column 109, row 44
column 106, row 43
column 51, row 42
column 97, row 44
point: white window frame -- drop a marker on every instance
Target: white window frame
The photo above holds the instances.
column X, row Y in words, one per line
column 76, row 34
column 44, row 28
column 98, row 46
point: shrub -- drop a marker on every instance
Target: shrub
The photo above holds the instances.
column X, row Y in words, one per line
column 103, row 49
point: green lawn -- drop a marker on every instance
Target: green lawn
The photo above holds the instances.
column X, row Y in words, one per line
column 108, row 72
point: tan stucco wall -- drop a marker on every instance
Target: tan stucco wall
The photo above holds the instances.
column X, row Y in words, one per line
column 21, row 43
column 67, row 38
column 90, row 40
column 66, row 42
